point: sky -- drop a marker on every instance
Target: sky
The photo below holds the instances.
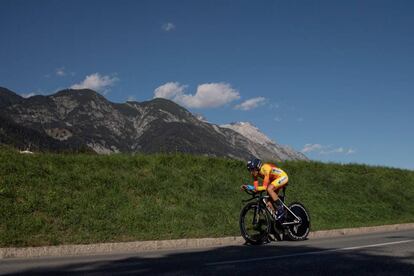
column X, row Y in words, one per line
column 333, row 79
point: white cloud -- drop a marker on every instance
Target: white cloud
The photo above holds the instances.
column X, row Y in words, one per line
column 329, row 150
column 311, row 147
column 208, row 95
column 273, row 106
column 28, row 95
column 96, row 82
column 61, row 72
column 251, row 103
column 168, row 27
column 326, row 150
column 131, row 99
column 170, row 90
column 351, row 151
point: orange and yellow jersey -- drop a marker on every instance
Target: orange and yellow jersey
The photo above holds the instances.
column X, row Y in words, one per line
column 270, row 174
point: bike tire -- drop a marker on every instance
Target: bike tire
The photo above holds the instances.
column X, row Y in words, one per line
column 298, row 232
column 254, row 232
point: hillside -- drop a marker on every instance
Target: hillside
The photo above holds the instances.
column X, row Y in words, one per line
column 51, row 199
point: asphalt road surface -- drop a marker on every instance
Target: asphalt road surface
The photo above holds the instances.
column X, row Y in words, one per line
column 389, row 253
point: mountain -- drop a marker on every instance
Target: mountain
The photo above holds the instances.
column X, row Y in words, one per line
column 268, row 149
column 26, row 138
column 75, row 119
column 8, row 97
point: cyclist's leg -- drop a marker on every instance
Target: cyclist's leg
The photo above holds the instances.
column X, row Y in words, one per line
column 276, row 185
column 283, row 183
column 273, row 189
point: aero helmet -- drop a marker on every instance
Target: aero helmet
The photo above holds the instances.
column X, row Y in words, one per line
column 254, row 164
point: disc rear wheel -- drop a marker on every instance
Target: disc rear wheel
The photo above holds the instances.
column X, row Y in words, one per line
column 298, row 232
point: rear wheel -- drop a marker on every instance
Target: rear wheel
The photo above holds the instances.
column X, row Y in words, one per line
column 254, row 223
column 300, row 231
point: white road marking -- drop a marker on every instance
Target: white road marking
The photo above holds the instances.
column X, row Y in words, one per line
column 307, row 253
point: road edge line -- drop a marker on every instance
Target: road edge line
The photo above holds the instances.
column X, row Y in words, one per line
column 141, row 246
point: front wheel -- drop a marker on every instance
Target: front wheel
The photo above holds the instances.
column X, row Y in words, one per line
column 254, row 223
column 300, row 231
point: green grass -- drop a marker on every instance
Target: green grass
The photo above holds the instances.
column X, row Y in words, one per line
column 49, row 199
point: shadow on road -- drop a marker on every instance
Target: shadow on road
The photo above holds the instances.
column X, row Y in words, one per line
column 220, row 261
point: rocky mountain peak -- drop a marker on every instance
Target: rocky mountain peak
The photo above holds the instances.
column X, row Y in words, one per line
column 249, row 131
column 268, row 149
column 82, row 96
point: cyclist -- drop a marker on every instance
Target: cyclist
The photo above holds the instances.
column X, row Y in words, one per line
column 273, row 180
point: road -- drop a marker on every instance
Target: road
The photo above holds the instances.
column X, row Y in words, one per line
column 389, row 253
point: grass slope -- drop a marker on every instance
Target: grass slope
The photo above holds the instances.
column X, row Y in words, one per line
column 49, row 199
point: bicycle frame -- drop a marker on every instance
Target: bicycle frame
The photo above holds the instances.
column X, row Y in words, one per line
column 259, row 197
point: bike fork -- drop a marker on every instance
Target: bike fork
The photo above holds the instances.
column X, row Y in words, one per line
column 256, row 215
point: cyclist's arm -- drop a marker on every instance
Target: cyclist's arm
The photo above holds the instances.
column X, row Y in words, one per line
column 266, row 181
column 256, row 184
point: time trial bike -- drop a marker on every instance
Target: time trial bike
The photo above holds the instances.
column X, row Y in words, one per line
column 257, row 222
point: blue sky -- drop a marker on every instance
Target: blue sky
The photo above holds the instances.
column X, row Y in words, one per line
column 332, row 78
